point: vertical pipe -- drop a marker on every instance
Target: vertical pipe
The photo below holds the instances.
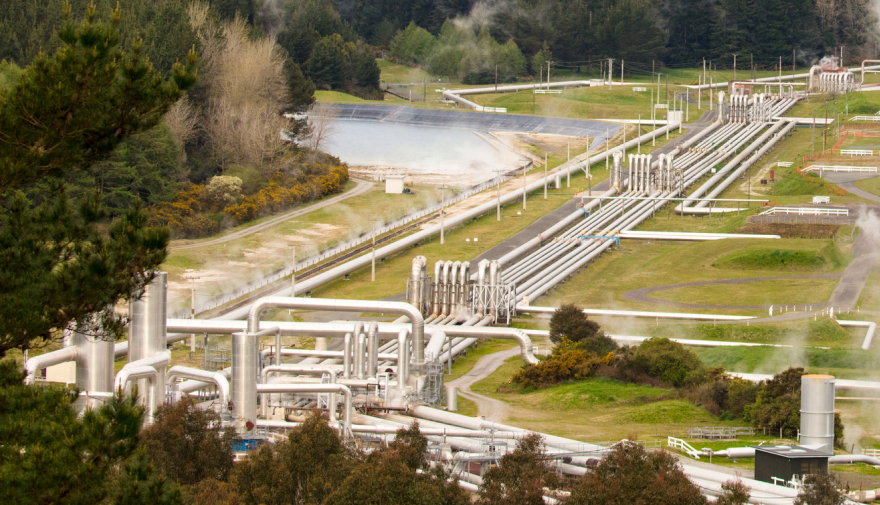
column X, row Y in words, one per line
column 446, row 288
column 817, row 411
column 346, row 357
column 94, row 366
column 493, row 274
column 464, row 276
column 245, row 353
column 360, row 356
column 373, row 349
column 438, row 271
column 147, row 335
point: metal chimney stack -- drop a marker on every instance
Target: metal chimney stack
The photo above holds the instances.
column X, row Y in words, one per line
column 94, row 366
column 817, row 412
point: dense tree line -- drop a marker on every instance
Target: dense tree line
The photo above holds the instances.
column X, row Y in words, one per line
column 677, row 32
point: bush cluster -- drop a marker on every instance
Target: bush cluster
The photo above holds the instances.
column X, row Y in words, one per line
column 200, row 210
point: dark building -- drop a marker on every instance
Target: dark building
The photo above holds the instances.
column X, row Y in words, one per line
column 786, row 461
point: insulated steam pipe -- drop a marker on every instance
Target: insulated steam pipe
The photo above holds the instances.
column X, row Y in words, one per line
column 184, row 372
column 46, row 360
column 312, row 389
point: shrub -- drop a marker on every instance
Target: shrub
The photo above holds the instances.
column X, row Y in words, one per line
column 569, row 321
column 666, row 361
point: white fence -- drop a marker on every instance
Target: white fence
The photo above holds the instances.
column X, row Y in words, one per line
column 491, row 109
column 874, row 453
column 865, row 118
column 818, row 200
column 856, row 152
column 636, row 88
column 548, row 91
column 838, row 168
column 683, row 446
column 805, row 211
column 784, row 163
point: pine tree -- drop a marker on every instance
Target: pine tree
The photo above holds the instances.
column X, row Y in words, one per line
column 65, row 113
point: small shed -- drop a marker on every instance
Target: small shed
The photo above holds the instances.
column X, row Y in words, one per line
column 777, row 464
column 394, row 184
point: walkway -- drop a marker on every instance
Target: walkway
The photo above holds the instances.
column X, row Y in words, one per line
column 493, row 410
column 362, row 187
column 847, row 181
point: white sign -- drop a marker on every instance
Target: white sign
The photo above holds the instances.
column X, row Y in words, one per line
column 640, row 89
column 661, row 106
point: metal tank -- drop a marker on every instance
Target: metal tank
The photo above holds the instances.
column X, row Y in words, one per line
column 146, row 332
column 817, row 412
column 94, row 366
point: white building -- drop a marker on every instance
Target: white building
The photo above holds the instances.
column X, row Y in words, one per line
column 394, row 184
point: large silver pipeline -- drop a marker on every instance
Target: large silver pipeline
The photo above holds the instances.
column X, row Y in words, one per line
column 346, row 357
column 147, row 335
column 219, row 380
column 493, row 279
column 438, row 272
column 301, row 370
column 364, row 260
column 312, row 389
column 94, row 366
column 453, row 289
column 46, row 360
column 418, row 322
column 463, row 287
column 446, row 310
column 372, row 349
column 151, row 375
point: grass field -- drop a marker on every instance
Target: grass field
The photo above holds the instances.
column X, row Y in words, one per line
column 336, row 96
column 870, row 185
column 639, row 263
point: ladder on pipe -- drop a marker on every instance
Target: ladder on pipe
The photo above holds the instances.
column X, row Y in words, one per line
column 683, row 446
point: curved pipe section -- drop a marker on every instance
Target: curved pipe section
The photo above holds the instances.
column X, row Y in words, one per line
column 184, row 372
column 312, row 388
column 129, row 373
column 872, row 327
column 418, row 322
column 46, row 360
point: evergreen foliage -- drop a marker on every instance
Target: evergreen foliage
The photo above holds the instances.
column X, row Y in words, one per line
column 521, row 475
column 630, row 474
column 49, row 455
column 64, row 113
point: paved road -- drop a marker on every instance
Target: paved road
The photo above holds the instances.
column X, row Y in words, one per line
column 362, row 187
column 847, row 181
column 493, row 410
column 641, row 294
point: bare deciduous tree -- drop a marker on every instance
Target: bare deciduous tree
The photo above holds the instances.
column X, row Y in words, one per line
column 322, row 125
column 181, row 121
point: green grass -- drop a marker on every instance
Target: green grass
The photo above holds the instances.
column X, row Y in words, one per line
column 592, row 102
column 825, row 259
column 335, row 96
column 464, row 363
column 870, row 297
column 640, row 263
column 843, row 363
column 821, row 332
column 584, row 394
column 870, row 185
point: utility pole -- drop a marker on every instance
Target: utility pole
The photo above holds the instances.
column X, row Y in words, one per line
column 498, row 196
column 610, row 72
column 704, row 70
column 373, row 254
column 293, row 272
column 734, row 68
column 442, row 206
column 525, row 169
column 621, row 71
column 653, row 117
column 639, row 135
column 568, row 172
column 667, row 91
column 814, row 132
column 825, row 136
column 793, row 62
column 496, row 78
column 780, row 77
column 534, row 92
column 700, row 94
column 545, row 176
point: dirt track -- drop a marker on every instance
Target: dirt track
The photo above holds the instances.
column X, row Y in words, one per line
column 493, row 410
